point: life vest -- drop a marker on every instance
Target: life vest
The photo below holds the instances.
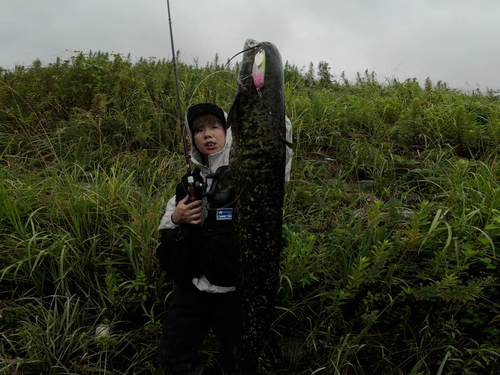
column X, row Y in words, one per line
column 212, row 250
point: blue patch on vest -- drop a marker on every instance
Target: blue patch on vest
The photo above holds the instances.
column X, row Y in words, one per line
column 225, row 214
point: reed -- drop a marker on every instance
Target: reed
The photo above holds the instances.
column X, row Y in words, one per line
column 392, row 219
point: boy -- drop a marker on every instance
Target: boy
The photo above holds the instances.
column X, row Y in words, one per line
column 207, row 299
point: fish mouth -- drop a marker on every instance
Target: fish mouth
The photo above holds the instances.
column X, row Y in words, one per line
column 250, row 43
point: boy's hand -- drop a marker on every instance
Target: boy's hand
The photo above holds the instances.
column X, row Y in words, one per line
column 188, row 213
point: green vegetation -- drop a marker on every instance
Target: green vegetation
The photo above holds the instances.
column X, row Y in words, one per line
column 391, row 257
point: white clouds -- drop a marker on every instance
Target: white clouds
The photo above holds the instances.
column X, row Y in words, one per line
column 449, row 40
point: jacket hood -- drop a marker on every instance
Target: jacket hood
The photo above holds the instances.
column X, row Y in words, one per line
column 214, row 160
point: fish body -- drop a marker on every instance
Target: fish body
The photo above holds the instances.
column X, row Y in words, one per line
column 257, row 169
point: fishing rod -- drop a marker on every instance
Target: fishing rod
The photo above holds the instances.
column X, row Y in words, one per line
column 190, row 178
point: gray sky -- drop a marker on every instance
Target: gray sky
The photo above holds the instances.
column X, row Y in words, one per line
column 454, row 41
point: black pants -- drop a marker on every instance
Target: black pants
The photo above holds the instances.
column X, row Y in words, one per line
column 188, row 320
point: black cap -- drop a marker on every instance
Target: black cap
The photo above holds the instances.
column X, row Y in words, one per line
column 205, row 109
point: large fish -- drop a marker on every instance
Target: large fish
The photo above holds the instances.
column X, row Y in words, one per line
column 257, row 169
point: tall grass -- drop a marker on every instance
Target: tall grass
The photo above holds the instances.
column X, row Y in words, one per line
column 392, row 220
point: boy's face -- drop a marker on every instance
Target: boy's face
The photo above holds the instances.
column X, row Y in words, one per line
column 209, row 138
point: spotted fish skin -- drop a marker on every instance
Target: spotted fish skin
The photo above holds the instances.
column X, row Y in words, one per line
column 257, row 169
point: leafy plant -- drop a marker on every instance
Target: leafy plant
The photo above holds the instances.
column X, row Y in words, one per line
column 391, row 234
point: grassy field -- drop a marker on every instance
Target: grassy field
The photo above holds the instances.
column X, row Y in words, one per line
column 392, row 220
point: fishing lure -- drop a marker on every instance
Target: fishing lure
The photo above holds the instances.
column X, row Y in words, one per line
column 258, row 69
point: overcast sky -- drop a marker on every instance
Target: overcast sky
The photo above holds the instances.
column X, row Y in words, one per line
column 454, row 41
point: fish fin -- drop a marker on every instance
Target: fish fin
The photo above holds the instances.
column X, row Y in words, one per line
column 288, row 144
column 226, row 181
column 232, row 115
column 233, row 112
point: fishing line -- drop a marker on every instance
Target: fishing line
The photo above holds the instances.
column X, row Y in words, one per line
column 239, row 53
column 220, row 71
column 234, row 200
column 199, row 84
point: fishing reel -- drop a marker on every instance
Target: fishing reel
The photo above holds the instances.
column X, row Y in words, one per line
column 193, row 186
column 199, row 189
column 196, row 189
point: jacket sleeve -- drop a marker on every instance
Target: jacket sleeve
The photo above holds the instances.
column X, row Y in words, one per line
column 289, row 151
column 166, row 221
